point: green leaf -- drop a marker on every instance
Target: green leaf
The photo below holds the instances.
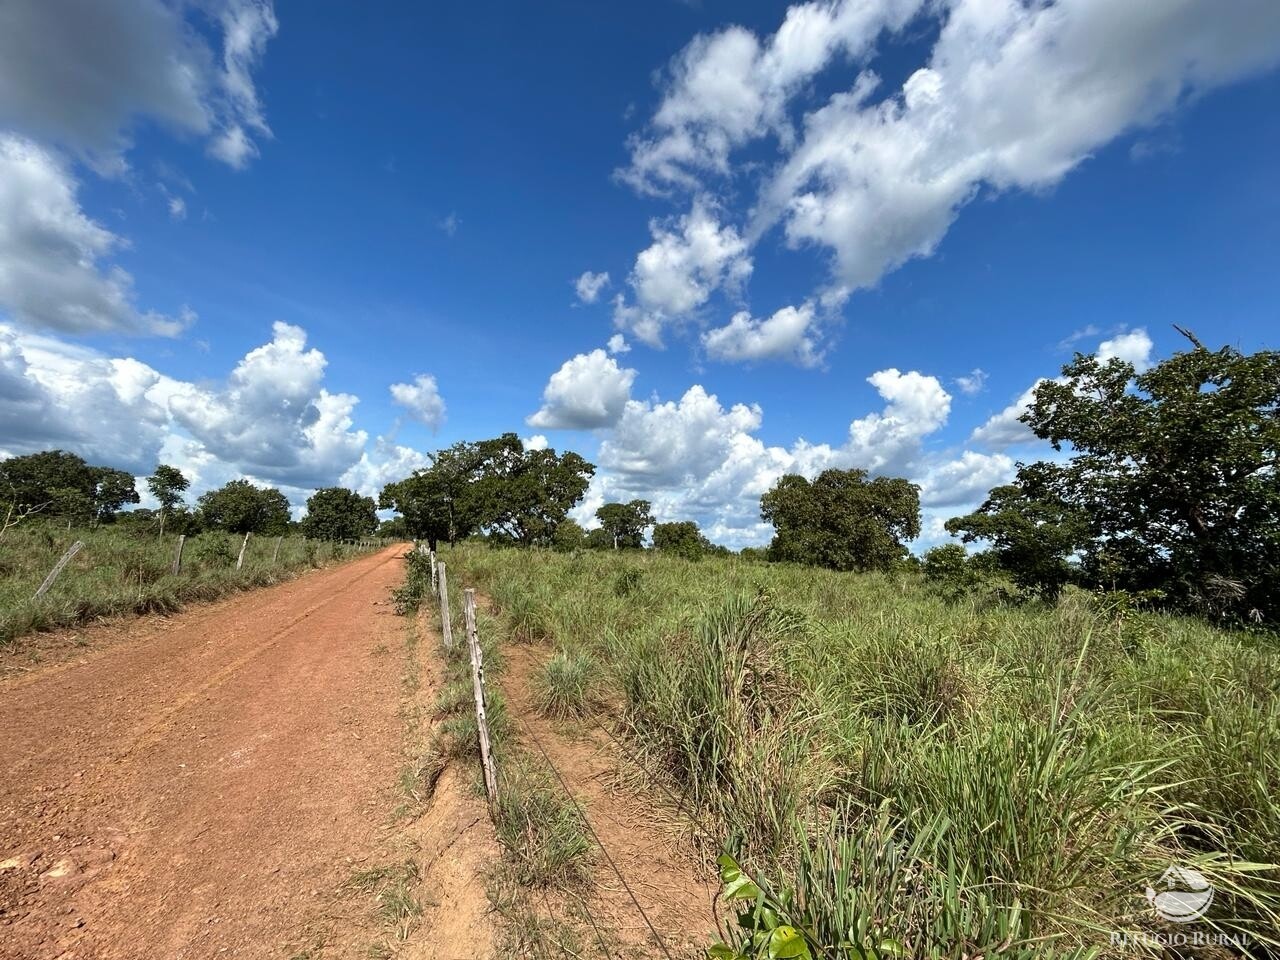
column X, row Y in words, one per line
column 737, row 886
column 722, row 951
column 786, row 943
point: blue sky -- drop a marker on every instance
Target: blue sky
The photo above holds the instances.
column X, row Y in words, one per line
column 308, row 245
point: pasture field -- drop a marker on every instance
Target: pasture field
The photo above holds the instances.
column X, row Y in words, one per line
column 907, row 774
column 124, row 569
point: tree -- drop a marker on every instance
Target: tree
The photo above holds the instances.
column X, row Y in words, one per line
column 394, row 529
column 517, row 495
column 1033, row 533
column 241, row 507
column 54, row 481
column 167, row 485
column 599, row 539
column 62, row 484
column 336, row 513
column 842, row 520
column 683, row 539
column 625, row 523
column 524, row 495
column 112, row 489
column 569, row 536
column 1176, row 471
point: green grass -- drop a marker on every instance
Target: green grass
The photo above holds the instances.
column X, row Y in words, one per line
column 393, row 888
column 541, row 829
column 125, row 570
column 1024, row 771
column 566, row 688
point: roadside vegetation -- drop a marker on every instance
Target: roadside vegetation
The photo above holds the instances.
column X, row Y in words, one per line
column 991, row 750
column 958, row 778
column 545, row 843
column 127, row 570
column 51, row 500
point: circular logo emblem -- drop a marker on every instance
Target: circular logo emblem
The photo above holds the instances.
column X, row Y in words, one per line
column 1185, row 896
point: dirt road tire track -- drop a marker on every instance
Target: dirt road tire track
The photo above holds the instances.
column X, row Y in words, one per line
column 199, row 789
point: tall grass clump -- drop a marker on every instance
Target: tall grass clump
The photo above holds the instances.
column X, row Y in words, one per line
column 932, row 773
column 566, row 687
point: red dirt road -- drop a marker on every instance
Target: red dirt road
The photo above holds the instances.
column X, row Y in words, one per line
column 201, row 788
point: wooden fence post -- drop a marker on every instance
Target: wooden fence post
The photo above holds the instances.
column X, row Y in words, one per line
column 477, row 687
column 435, row 574
column 177, row 555
column 275, row 554
column 240, row 559
column 446, row 627
column 57, row 568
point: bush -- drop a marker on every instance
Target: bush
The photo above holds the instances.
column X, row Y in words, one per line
column 213, row 550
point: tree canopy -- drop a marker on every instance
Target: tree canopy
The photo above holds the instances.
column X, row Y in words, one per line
column 241, row 507
column 336, row 513
column 842, row 519
column 515, row 494
column 1032, row 532
column 681, row 538
column 62, row 484
column 1171, row 484
column 625, row 523
column 167, row 485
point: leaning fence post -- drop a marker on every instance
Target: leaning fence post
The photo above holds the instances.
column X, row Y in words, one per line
column 276, row 552
column 240, row 559
column 446, row 627
column 477, row 686
column 57, row 568
column 177, row 555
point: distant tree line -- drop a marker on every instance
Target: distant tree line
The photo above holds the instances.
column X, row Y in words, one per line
column 60, row 486
column 1167, row 489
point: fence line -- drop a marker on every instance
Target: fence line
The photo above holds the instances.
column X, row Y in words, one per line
column 57, row 568
column 446, row 623
column 175, row 566
column 177, row 556
column 477, row 688
column 488, row 763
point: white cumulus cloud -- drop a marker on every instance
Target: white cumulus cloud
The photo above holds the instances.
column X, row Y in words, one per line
column 1133, row 347
column 588, row 391
column 788, row 335
column 688, row 260
column 695, row 459
column 973, row 382
column 82, row 72
column 421, row 399
column 1011, row 96
column 52, row 270
column 589, row 286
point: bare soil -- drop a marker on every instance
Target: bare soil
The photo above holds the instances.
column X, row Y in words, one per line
column 205, row 788
column 644, row 837
column 209, row 785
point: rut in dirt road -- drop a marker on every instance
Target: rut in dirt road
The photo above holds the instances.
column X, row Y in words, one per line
column 198, row 789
